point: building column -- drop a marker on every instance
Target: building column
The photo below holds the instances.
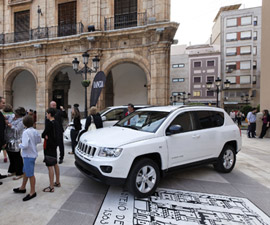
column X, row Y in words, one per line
column 2, row 78
column 160, row 86
column 94, row 12
column 41, row 95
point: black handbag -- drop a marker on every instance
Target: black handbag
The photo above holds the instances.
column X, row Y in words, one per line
column 50, row 160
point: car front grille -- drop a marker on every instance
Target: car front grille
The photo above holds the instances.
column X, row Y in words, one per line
column 86, row 149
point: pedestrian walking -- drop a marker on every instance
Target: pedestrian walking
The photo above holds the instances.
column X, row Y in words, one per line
column 239, row 118
column 2, row 130
column 76, row 127
column 13, row 137
column 251, row 118
column 30, row 139
column 266, row 122
column 59, row 116
column 50, row 135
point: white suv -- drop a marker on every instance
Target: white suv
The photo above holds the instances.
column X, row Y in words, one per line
column 142, row 147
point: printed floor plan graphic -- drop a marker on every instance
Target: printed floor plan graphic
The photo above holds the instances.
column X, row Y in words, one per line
column 175, row 207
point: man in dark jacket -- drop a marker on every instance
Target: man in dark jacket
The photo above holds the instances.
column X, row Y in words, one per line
column 2, row 129
column 59, row 116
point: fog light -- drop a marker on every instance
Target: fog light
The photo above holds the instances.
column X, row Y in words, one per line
column 106, row 169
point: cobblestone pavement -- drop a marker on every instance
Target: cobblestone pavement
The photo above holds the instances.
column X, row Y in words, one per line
column 79, row 199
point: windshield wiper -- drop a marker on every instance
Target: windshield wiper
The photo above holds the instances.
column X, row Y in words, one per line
column 132, row 127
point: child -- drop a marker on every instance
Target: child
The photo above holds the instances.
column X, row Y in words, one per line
column 30, row 139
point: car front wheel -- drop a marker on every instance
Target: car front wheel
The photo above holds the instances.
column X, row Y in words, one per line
column 143, row 178
column 226, row 160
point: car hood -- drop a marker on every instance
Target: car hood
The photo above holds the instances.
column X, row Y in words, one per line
column 114, row 137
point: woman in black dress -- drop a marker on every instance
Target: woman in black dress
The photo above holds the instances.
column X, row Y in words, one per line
column 76, row 127
column 50, row 135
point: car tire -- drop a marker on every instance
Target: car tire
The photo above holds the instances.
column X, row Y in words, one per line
column 143, row 178
column 226, row 160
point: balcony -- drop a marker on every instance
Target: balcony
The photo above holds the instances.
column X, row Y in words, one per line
column 41, row 33
column 125, row 21
column 17, row 2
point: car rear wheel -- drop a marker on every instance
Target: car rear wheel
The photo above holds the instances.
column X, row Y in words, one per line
column 226, row 160
column 143, row 178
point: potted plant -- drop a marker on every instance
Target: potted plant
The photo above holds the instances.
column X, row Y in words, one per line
column 85, row 83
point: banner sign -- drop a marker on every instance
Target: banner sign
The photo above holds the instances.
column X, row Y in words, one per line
column 98, row 84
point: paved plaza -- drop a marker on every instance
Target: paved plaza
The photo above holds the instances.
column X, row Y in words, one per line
column 79, row 199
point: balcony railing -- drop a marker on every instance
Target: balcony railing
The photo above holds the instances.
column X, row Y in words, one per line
column 41, row 33
column 125, row 20
column 17, row 2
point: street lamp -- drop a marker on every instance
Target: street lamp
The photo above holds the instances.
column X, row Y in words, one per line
column 85, row 70
column 246, row 98
column 218, row 83
column 181, row 96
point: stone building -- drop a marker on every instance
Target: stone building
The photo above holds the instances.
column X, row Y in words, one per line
column 39, row 39
column 238, row 32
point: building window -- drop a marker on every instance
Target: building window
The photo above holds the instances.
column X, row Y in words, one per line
column 232, row 22
column 254, row 65
column 246, row 20
column 231, row 79
column 197, row 64
column 245, row 65
column 254, row 80
column 210, row 63
column 196, row 93
column 174, row 80
column 244, row 79
column 255, row 20
column 231, row 37
column 245, row 35
column 67, row 18
column 255, row 50
column 245, row 50
column 230, row 67
column 180, row 65
column 21, row 26
column 230, row 51
column 211, row 79
column 255, row 35
column 125, row 13
column 210, row 93
column 197, row 79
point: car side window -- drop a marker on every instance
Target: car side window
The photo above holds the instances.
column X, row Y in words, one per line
column 217, row 119
column 115, row 114
column 183, row 119
column 204, row 120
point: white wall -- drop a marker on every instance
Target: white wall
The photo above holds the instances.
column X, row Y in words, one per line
column 24, row 91
column 128, row 84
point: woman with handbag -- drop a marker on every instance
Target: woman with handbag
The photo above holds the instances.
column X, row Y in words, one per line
column 94, row 120
column 50, row 135
column 76, row 127
column 14, row 132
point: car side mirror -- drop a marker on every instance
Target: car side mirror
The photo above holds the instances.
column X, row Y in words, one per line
column 103, row 118
column 174, row 129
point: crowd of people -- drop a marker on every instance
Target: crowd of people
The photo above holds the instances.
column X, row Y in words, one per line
column 19, row 140
column 251, row 118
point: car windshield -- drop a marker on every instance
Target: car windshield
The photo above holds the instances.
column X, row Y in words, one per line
column 104, row 110
column 147, row 121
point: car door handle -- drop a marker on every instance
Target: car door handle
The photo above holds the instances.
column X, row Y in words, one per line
column 196, row 136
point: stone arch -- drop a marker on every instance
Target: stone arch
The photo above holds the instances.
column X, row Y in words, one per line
column 128, row 58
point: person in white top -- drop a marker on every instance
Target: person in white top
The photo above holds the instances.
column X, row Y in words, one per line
column 30, row 139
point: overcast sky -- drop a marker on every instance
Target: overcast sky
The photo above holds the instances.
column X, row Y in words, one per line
column 196, row 17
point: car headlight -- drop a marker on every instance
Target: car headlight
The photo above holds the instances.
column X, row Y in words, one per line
column 110, row 152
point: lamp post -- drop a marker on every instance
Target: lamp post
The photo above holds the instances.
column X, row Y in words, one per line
column 181, row 96
column 85, row 70
column 246, row 98
column 218, row 86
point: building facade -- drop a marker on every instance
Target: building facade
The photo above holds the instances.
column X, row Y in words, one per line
column 238, row 32
column 39, row 39
column 179, row 73
column 204, row 66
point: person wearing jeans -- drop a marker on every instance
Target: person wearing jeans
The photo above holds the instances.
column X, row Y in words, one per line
column 251, row 117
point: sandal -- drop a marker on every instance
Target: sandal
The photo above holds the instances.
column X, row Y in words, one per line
column 17, row 178
column 48, row 189
column 57, row 184
column 71, row 153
